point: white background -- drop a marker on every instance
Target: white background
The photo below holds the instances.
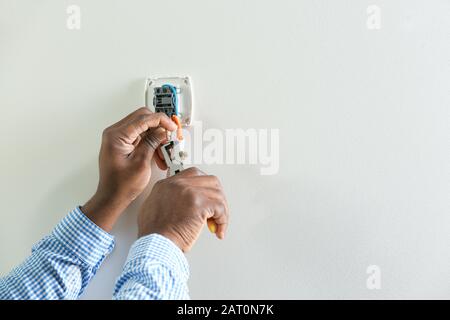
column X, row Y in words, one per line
column 363, row 118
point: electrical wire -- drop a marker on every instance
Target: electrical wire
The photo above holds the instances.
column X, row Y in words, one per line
column 179, row 128
column 174, row 96
column 175, row 117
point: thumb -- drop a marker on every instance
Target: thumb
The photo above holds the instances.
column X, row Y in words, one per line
column 149, row 143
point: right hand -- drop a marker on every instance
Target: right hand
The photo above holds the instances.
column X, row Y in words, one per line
column 178, row 207
column 128, row 147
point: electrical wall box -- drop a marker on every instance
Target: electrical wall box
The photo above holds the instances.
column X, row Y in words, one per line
column 171, row 95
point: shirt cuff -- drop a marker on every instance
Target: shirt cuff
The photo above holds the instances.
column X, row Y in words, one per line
column 84, row 238
column 159, row 249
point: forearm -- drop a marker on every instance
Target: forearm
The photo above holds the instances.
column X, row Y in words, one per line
column 156, row 269
column 105, row 208
column 61, row 264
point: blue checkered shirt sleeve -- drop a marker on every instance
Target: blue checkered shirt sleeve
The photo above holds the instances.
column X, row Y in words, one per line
column 61, row 264
column 156, row 269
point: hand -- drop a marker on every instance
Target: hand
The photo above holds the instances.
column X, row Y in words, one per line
column 178, row 207
column 125, row 169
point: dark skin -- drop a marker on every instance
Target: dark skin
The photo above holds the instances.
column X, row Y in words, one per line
column 178, row 207
column 127, row 149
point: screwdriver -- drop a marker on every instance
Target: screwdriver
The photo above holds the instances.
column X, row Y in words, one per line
column 212, row 226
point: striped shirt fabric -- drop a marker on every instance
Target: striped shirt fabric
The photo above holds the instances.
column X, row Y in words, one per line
column 63, row 263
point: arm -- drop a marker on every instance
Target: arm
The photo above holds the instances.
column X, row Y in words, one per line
column 61, row 264
column 155, row 269
column 170, row 221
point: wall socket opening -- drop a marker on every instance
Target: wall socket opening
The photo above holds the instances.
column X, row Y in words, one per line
column 171, row 95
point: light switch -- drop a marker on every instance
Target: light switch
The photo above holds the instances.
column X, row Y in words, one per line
column 171, row 95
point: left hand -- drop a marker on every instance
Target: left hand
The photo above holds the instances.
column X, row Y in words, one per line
column 125, row 169
column 178, row 207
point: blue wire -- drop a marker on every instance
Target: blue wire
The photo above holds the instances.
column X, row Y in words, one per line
column 174, row 96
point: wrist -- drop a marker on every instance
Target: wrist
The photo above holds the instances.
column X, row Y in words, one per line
column 166, row 234
column 104, row 209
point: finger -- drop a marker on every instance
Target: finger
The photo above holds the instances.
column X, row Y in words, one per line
column 162, row 165
column 218, row 222
column 222, row 230
column 136, row 142
column 153, row 138
column 189, row 172
column 159, row 158
column 217, row 213
column 150, row 142
column 222, row 222
column 143, row 122
column 206, row 181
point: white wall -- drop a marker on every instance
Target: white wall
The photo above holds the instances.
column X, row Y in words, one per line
column 363, row 118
